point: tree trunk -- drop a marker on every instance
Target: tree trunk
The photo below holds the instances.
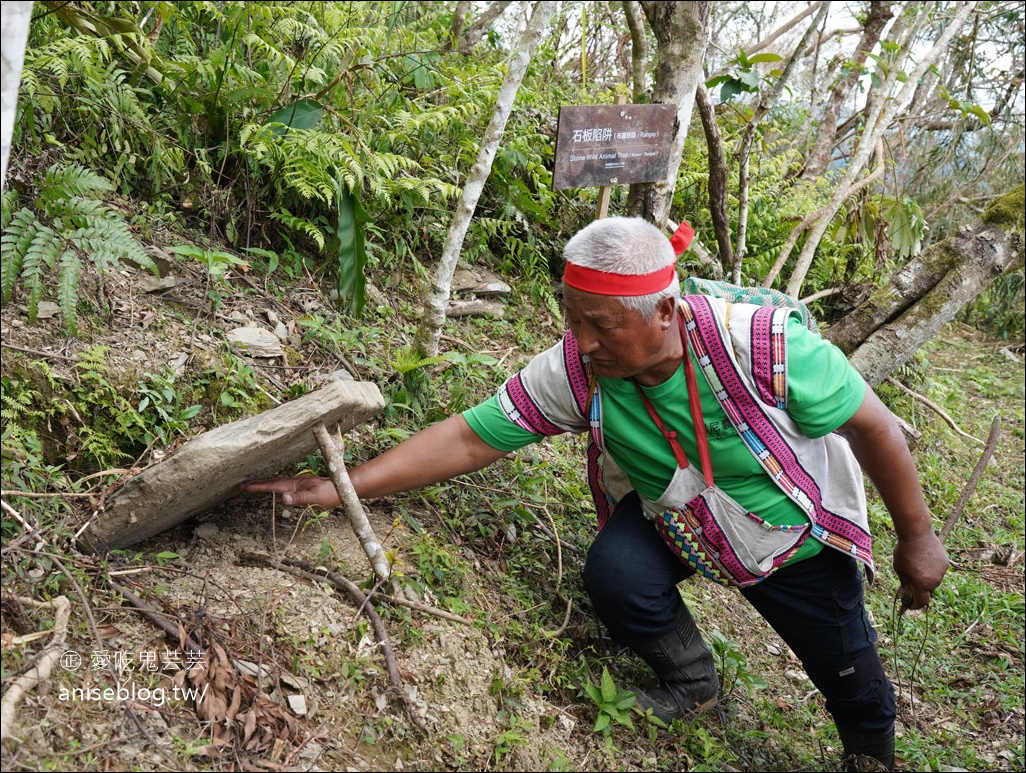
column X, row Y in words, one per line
column 682, row 33
column 718, row 177
column 639, row 48
column 823, row 147
column 433, row 318
column 883, row 332
column 15, row 23
column 767, row 100
column 464, row 39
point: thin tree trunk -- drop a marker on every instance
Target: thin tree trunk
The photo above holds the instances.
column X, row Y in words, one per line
column 433, row 318
column 682, row 34
column 718, row 176
column 826, row 135
column 769, row 39
column 464, row 39
column 639, row 48
column 767, row 100
column 459, row 19
column 15, row 23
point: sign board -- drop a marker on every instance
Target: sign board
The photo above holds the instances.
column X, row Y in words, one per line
column 612, row 144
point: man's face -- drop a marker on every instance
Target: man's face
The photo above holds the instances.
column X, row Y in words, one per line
column 620, row 343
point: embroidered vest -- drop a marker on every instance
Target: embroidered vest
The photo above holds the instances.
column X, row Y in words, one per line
column 741, row 351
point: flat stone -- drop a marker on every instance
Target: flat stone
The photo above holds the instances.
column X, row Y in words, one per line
column 478, row 282
column 475, row 308
column 255, row 341
column 207, row 470
column 154, row 284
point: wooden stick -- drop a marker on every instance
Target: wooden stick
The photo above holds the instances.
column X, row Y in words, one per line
column 934, row 407
column 351, row 504
column 347, row 586
column 140, row 607
column 40, row 671
column 970, row 487
column 391, row 598
column 981, row 465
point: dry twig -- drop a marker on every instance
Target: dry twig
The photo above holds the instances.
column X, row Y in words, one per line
column 175, row 633
column 934, row 407
column 358, row 597
column 981, row 465
column 39, row 672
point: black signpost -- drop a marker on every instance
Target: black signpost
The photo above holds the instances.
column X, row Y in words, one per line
column 607, row 145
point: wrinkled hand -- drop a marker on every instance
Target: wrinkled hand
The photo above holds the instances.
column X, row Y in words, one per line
column 296, row 491
column 920, row 563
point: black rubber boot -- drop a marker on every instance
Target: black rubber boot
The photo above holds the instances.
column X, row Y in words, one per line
column 867, row 752
column 687, row 674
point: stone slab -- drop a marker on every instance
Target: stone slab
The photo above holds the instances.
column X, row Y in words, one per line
column 206, row 471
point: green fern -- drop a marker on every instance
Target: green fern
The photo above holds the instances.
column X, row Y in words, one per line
column 64, row 228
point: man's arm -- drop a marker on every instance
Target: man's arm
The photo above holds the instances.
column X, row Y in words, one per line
column 920, row 560
column 434, row 454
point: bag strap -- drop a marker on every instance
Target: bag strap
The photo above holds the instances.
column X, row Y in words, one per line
column 696, row 413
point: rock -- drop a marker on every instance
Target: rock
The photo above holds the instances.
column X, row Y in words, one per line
column 148, row 283
column 475, row 308
column 45, row 310
column 208, row 469
column 255, row 341
column 478, row 282
column 298, row 705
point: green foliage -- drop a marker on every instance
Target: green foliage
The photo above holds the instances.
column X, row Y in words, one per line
column 614, row 704
column 732, row 665
column 160, row 397
column 230, row 388
column 964, row 108
column 51, row 238
column 217, row 263
column 95, row 419
column 25, row 464
column 511, row 738
column 1001, row 308
column 906, row 226
column 744, row 79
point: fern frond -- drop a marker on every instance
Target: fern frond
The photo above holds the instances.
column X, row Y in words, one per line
column 72, row 179
column 18, row 236
column 41, row 254
column 73, row 211
column 71, row 227
column 300, row 225
column 8, row 202
column 67, row 289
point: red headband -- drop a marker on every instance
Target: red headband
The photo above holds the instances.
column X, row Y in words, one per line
column 592, row 280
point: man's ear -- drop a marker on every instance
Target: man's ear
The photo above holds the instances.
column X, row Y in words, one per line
column 665, row 312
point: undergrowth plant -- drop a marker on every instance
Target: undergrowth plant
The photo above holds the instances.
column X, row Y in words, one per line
column 613, row 703
column 48, row 240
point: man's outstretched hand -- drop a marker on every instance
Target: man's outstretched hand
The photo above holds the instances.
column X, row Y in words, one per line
column 296, row 491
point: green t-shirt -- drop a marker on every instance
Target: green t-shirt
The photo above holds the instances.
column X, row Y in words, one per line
column 824, row 391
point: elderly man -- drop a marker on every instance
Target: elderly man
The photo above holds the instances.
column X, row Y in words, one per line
column 727, row 440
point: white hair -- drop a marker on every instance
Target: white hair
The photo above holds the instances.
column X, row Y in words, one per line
column 625, row 245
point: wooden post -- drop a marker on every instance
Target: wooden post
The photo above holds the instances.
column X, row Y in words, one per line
column 604, row 192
